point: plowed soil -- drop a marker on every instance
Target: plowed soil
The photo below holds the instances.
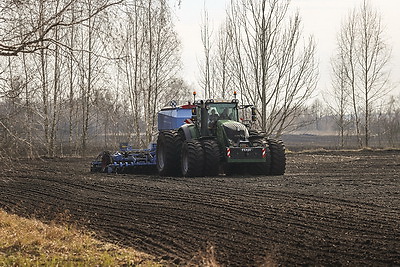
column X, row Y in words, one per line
column 331, row 208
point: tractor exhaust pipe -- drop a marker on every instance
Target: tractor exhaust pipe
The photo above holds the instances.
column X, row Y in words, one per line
column 204, row 119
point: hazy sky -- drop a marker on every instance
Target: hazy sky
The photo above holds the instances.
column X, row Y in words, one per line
column 321, row 18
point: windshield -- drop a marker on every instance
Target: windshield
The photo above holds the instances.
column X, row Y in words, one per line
column 222, row 111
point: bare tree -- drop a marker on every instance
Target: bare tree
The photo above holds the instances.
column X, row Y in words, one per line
column 206, row 65
column 37, row 35
column 270, row 65
column 339, row 100
column 164, row 66
column 374, row 58
column 87, row 78
column 364, row 59
column 223, row 79
column 71, row 40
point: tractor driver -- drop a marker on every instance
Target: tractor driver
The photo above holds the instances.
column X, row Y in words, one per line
column 225, row 115
column 213, row 117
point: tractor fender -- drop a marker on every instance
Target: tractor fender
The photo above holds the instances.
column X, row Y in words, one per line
column 188, row 131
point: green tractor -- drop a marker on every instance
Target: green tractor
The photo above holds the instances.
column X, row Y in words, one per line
column 214, row 140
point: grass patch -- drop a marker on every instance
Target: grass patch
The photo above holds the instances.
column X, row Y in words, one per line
column 29, row 242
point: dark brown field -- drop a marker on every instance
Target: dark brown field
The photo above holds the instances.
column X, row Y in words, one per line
column 331, row 208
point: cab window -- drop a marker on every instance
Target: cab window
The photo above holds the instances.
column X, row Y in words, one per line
column 224, row 111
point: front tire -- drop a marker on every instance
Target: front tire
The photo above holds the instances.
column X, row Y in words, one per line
column 192, row 158
column 211, row 157
column 168, row 153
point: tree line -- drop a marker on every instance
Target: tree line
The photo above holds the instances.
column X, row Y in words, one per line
column 75, row 73
column 79, row 74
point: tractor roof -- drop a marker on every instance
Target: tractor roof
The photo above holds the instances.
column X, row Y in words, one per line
column 217, row 101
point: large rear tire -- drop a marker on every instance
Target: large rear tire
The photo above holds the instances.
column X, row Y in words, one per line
column 192, row 158
column 211, row 157
column 278, row 157
column 261, row 168
column 169, row 144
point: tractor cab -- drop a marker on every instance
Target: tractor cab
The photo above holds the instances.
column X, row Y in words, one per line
column 208, row 114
